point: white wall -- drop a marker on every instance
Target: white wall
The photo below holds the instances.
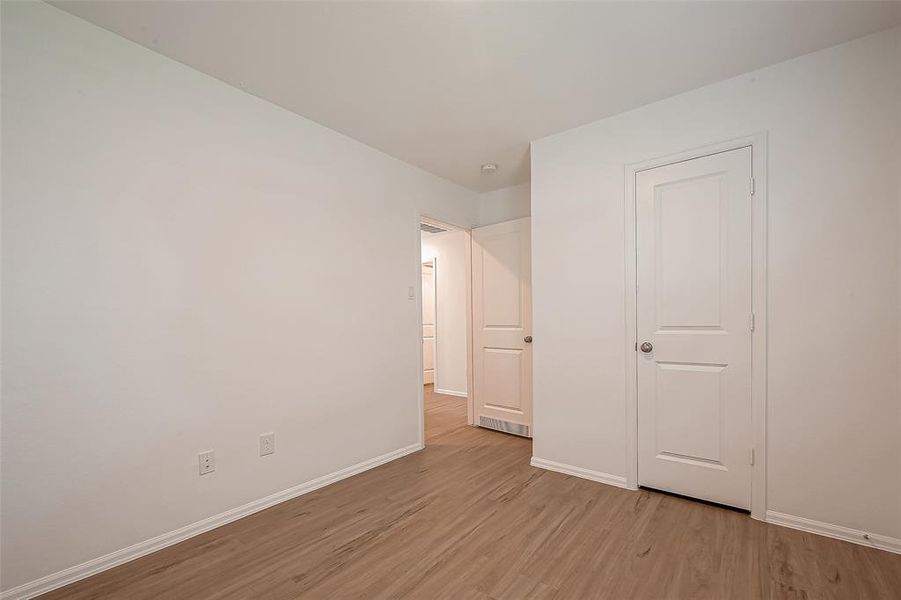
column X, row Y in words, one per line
column 182, row 267
column 450, row 348
column 505, row 204
column 834, row 124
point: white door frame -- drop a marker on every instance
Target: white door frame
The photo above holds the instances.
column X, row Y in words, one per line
column 467, row 261
column 758, row 145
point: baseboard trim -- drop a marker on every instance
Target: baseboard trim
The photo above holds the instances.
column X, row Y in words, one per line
column 855, row 536
column 451, row 393
column 114, row 559
column 599, row 477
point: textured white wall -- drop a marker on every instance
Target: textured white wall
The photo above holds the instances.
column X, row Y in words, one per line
column 834, row 123
column 450, row 353
column 185, row 267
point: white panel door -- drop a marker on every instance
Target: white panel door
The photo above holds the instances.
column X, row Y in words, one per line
column 693, row 223
column 502, row 326
column 428, row 323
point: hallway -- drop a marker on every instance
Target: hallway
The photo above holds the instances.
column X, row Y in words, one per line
column 444, row 415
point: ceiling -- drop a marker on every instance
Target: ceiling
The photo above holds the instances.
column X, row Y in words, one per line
column 448, row 86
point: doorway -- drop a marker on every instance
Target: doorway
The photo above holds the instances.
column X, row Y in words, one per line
column 476, row 327
column 696, row 313
column 445, row 316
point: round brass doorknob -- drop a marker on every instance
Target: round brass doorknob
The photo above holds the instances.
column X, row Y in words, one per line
column 527, row 339
column 646, row 347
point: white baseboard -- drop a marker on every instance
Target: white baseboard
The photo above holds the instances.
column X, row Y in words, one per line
column 856, row 536
column 451, row 393
column 92, row 567
column 597, row 476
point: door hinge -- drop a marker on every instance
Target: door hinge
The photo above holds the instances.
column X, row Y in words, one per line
column 751, row 456
column 752, row 186
column 751, row 322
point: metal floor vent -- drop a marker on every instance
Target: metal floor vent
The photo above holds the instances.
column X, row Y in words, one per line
column 505, row 426
column 430, row 228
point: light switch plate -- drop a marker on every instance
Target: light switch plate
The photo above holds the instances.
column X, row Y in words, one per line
column 267, row 443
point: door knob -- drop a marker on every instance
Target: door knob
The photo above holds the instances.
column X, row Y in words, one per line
column 527, row 339
column 646, row 347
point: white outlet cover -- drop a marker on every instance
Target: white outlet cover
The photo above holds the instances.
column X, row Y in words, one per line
column 267, row 444
column 207, row 462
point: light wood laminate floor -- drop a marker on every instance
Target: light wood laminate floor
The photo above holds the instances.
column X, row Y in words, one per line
column 468, row 518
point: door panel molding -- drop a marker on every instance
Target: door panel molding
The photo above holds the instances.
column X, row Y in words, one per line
column 758, row 145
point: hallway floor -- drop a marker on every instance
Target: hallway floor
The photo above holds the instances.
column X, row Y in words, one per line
column 468, row 518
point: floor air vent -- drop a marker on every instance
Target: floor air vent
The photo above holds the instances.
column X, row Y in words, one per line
column 505, row 426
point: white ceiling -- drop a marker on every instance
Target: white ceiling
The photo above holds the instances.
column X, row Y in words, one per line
column 448, row 86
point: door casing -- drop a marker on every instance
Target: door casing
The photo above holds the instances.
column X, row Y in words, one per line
column 758, row 145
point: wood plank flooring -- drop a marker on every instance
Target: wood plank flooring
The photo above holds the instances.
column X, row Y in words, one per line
column 468, row 518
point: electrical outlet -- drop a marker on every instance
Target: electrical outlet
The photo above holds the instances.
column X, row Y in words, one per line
column 267, row 443
column 207, row 462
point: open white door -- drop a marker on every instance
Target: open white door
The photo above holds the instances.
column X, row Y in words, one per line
column 428, row 322
column 502, row 326
column 693, row 228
